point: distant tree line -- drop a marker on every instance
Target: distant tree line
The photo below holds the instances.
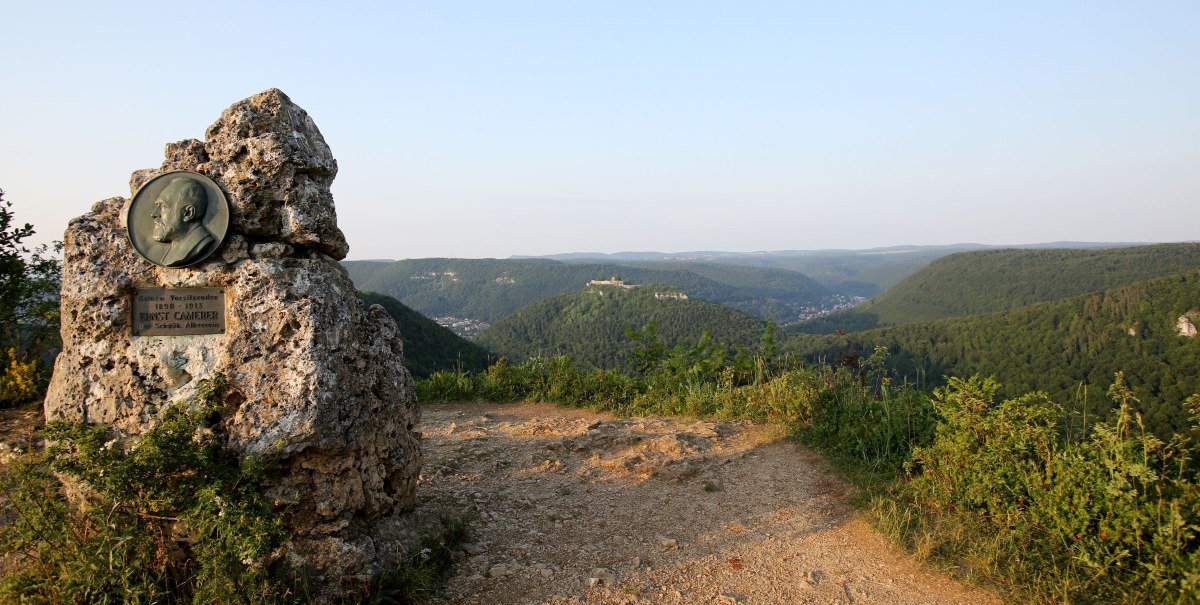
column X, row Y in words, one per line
column 987, row 281
column 1068, row 349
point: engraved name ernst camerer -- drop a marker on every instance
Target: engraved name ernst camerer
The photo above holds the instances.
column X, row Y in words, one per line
column 178, row 219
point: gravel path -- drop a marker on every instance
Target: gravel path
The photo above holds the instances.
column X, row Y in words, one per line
column 577, row 507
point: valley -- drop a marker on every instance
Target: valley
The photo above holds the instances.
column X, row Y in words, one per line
column 1058, row 320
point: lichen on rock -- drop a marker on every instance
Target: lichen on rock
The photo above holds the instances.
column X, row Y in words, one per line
column 319, row 379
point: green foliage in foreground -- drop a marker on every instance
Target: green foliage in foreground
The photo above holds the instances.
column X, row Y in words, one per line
column 1112, row 518
column 1000, row 490
column 175, row 519
column 172, row 518
column 29, row 282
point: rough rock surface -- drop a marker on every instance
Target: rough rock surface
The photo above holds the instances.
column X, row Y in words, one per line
column 319, row 378
column 273, row 162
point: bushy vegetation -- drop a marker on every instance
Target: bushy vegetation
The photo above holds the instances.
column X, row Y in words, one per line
column 176, row 519
column 1109, row 516
column 29, row 281
column 170, row 517
column 1016, row 491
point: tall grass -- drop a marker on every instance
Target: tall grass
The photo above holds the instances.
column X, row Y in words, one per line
column 1109, row 519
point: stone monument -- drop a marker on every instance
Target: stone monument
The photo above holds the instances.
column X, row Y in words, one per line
column 226, row 262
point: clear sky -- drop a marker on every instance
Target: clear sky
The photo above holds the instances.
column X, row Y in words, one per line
column 488, row 129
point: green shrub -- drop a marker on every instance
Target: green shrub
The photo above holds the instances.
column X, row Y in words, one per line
column 23, row 379
column 869, row 427
column 170, row 518
column 447, row 386
column 1114, row 518
column 29, row 285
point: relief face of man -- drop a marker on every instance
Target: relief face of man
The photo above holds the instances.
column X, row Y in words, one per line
column 179, row 221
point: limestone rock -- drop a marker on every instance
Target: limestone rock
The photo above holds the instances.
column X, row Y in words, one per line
column 276, row 170
column 1185, row 327
column 319, row 379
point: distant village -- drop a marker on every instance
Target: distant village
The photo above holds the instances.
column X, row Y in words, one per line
column 831, row 304
column 463, row 326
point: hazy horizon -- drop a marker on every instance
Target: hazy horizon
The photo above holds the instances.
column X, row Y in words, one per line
column 676, row 254
column 531, row 129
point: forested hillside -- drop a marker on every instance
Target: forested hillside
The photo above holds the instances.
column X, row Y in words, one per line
column 985, row 281
column 490, row 289
column 760, row 291
column 429, row 347
column 589, row 325
column 850, row 272
column 1057, row 347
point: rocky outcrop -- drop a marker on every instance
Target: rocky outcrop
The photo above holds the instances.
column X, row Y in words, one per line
column 1185, row 327
column 276, row 168
column 319, row 380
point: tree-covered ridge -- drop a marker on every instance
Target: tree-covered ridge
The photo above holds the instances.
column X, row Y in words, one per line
column 865, row 272
column 985, row 281
column 860, row 272
column 590, row 325
column 1063, row 348
column 764, row 292
column 490, row 289
column 429, row 347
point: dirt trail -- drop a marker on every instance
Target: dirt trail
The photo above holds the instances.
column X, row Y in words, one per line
column 577, row 507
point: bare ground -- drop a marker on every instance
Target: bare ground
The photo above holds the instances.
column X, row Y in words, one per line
column 572, row 506
column 577, row 507
column 19, row 432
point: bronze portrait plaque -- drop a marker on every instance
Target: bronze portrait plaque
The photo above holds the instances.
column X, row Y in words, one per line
column 177, row 219
column 178, row 311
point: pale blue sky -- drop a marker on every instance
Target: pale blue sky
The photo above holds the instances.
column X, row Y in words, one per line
column 500, row 128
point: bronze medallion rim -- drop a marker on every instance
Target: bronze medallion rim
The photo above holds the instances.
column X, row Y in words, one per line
column 219, row 217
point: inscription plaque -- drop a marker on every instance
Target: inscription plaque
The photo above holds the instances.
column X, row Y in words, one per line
column 178, row 311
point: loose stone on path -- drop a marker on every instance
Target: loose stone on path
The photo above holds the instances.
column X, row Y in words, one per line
column 602, row 524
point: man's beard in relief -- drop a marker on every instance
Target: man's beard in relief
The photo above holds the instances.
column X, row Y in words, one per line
column 163, row 233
